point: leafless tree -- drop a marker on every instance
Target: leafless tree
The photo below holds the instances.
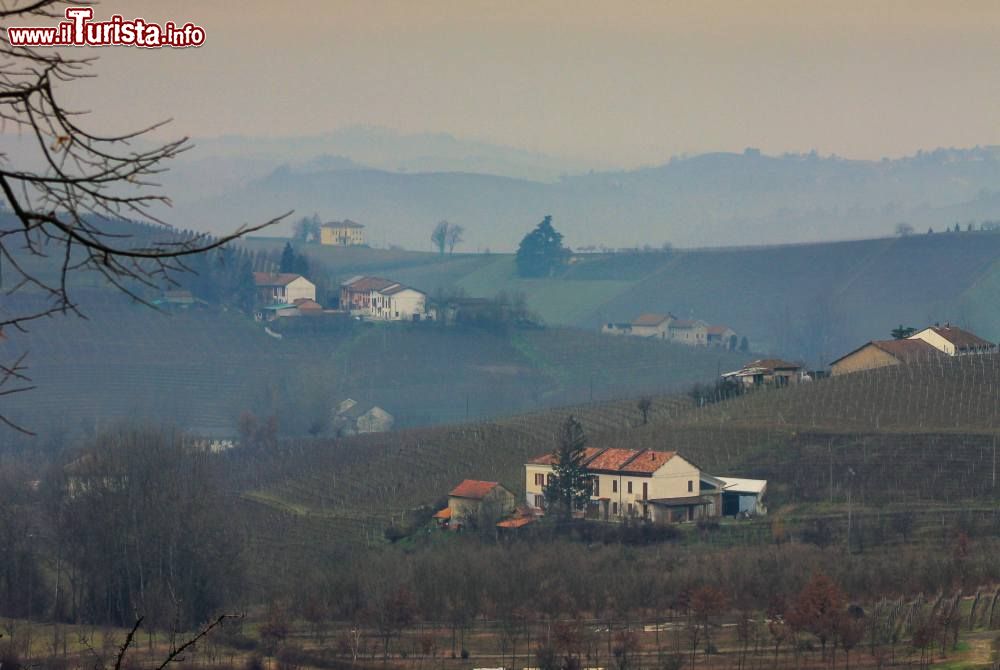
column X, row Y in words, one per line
column 69, row 198
column 454, row 236
column 439, row 237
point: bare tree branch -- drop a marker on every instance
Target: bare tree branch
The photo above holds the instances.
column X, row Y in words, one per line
column 69, row 209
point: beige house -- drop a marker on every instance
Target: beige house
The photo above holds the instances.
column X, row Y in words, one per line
column 689, row 331
column 475, row 503
column 721, row 337
column 282, row 288
column 652, row 325
column 954, row 341
column 635, row 483
column 344, row 233
column 883, row 353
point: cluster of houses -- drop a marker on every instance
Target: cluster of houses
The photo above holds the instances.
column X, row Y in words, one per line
column 932, row 342
column 284, row 294
column 627, row 484
column 692, row 332
column 351, row 417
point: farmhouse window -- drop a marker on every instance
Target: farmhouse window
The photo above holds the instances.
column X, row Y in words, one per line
column 690, row 486
column 630, row 487
column 614, row 486
column 539, row 479
column 597, row 486
column 630, row 509
column 548, row 479
column 539, row 501
column 645, row 490
column 614, row 508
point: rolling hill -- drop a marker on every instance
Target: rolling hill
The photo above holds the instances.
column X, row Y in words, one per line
column 811, row 301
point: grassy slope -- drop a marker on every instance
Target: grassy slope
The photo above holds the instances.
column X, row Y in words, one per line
column 203, row 369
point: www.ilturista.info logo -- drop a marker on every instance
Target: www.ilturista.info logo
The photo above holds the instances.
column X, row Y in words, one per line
column 80, row 30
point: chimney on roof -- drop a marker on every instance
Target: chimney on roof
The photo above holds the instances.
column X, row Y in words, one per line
column 652, row 456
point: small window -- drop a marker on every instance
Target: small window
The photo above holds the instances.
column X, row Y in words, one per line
column 597, row 486
column 614, row 486
column 614, row 508
column 539, row 501
column 539, row 479
column 690, row 486
column 645, row 490
column 630, row 487
column 630, row 509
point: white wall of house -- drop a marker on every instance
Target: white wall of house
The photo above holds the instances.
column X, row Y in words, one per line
column 407, row 303
column 659, row 331
column 930, row 337
column 299, row 287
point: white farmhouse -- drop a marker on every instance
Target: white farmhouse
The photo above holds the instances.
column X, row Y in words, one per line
column 659, row 486
column 283, row 288
column 954, row 341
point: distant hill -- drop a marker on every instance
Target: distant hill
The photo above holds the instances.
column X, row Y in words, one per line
column 708, row 200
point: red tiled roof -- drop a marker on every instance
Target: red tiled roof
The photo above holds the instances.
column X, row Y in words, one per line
column 369, row 284
column 550, row 459
column 962, row 339
column 648, row 462
column 718, row 330
column 473, row 488
column 612, row 459
column 274, row 278
column 650, row 319
column 443, row 513
column 307, row 305
column 638, row 461
column 906, row 350
column 392, row 290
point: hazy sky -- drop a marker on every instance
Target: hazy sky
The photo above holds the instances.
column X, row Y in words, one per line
column 625, row 82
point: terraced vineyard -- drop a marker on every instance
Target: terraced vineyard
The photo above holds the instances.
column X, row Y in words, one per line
column 892, row 437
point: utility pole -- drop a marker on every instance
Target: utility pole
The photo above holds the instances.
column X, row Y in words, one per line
column 850, row 486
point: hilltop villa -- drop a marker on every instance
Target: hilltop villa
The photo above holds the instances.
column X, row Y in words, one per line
column 659, row 486
column 344, row 233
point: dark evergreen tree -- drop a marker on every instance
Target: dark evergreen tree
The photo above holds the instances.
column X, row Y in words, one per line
column 541, row 251
column 288, row 259
column 570, row 486
column 744, row 344
column 902, row 332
